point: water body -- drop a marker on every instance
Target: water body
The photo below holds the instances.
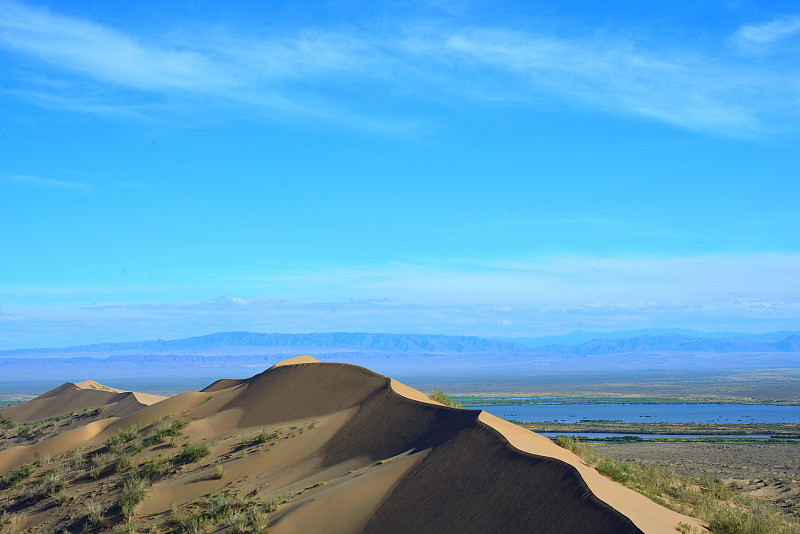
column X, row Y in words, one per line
column 605, row 435
column 649, row 413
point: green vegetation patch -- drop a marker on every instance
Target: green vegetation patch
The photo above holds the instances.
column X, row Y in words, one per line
column 442, row 397
column 704, row 497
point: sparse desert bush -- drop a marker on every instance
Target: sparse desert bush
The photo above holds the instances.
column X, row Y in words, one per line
column 237, row 521
column 50, row 484
column 78, row 459
column 259, row 519
column 584, row 450
column 136, row 447
column 124, row 528
column 99, row 463
column 265, row 436
column 117, row 442
column 219, row 471
column 271, row 506
column 706, row 497
column 12, row 478
column 5, row 517
column 133, row 491
column 123, row 462
column 44, row 460
column 440, row 396
column 191, row 453
column 94, row 512
column 158, row 466
column 62, row 497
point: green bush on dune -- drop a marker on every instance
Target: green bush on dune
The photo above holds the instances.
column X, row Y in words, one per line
column 440, row 396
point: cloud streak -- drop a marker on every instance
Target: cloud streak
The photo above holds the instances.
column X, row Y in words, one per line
column 768, row 33
column 284, row 75
column 47, row 183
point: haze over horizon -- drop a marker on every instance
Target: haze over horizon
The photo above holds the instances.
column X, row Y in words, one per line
column 467, row 168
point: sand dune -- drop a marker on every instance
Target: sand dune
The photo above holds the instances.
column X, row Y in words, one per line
column 345, row 450
column 74, row 397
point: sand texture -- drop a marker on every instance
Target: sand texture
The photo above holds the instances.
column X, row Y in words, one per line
column 333, row 448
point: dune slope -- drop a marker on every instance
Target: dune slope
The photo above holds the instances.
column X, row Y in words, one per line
column 74, row 397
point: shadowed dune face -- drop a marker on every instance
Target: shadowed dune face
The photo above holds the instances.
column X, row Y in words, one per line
column 474, row 482
column 471, row 479
column 356, row 453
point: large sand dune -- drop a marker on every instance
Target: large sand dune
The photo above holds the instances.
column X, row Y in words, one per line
column 354, row 452
column 74, row 397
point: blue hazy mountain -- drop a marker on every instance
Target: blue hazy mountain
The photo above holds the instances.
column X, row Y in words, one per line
column 250, row 342
column 235, row 354
column 673, row 343
column 582, row 336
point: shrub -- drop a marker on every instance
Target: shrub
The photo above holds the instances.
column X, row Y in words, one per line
column 12, row 478
column 94, row 512
column 159, row 465
column 136, row 447
column 133, row 491
column 584, row 450
column 62, row 497
column 51, row 484
column 123, row 462
column 259, row 520
column 124, row 529
column 78, row 459
column 117, row 442
column 219, row 471
column 192, row 453
column 99, row 462
column 265, row 435
column 441, row 397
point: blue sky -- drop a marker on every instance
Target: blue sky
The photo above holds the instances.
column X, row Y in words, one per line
column 488, row 168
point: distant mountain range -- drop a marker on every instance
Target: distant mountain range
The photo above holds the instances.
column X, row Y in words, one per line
column 404, row 355
column 230, row 343
column 582, row 336
column 674, row 343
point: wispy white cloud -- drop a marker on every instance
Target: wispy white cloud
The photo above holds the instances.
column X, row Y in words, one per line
column 768, row 33
column 321, row 73
column 36, row 181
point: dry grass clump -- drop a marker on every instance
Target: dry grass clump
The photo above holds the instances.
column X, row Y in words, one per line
column 704, row 497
